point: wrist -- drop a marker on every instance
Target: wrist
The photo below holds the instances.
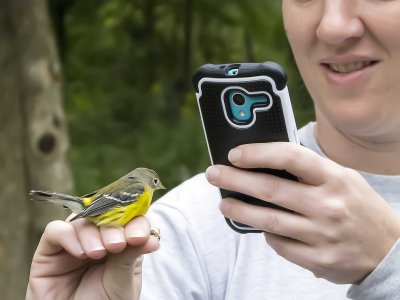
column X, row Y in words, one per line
column 383, row 282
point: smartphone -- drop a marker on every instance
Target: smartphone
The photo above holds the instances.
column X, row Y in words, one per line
column 244, row 103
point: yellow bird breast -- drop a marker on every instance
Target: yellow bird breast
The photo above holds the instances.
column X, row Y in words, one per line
column 120, row 215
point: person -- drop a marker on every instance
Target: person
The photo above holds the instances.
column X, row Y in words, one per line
column 341, row 238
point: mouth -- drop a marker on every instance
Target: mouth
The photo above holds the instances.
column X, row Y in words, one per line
column 349, row 67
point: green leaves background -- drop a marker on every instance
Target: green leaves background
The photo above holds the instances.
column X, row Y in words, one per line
column 128, row 67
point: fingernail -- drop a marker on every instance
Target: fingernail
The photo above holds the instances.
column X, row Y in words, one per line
column 97, row 249
column 234, row 155
column 95, row 246
column 212, row 173
column 115, row 240
column 224, row 206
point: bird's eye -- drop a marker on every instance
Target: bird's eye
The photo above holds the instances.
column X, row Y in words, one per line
column 155, row 181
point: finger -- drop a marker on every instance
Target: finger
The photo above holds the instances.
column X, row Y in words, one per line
column 297, row 160
column 59, row 251
column 286, row 193
column 113, row 238
column 59, row 235
column 137, row 231
column 271, row 220
column 292, row 250
column 90, row 238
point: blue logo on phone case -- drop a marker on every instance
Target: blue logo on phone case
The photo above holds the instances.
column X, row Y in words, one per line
column 241, row 106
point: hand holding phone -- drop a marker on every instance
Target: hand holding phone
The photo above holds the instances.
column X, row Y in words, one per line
column 244, row 103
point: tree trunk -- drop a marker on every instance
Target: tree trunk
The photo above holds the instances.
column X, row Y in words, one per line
column 33, row 138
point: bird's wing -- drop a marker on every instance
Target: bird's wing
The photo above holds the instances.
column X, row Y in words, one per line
column 110, row 188
column 107, row 201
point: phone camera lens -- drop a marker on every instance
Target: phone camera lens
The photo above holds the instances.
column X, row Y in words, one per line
column 238, row 99
column 233, row 72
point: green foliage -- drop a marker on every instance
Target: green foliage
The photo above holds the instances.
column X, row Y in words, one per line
column 128, row 69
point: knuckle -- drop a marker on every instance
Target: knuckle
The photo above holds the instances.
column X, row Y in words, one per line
column 336, row 211
column 350, row 173
column 270, row 189
column 331, row 236
column 324, row 264
column 56, row 225
column 338, row 176
column 342, row 178
column 327, row 261
column 57, row 229
column 292, row 155
column 270, row 223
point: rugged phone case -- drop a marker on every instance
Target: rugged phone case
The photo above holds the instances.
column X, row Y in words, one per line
column 260, row 113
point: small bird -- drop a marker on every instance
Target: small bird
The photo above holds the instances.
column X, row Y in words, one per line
column 113, row 205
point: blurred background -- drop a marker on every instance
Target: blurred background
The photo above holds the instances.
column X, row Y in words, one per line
column 91, row 89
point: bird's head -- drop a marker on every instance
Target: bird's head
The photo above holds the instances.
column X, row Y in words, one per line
column 147, row 177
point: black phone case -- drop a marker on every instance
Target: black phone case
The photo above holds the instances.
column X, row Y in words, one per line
column 223, row 132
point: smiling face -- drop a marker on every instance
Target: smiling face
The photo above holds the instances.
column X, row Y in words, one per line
column 348, row 53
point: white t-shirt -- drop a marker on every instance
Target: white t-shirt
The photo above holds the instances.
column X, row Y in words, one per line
column 201, row 257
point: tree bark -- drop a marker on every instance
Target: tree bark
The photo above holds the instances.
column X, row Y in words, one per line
column 33, row 136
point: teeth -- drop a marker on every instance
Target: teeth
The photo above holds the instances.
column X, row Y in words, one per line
column 351, row 67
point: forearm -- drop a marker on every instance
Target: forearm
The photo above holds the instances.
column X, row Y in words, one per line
column 383, row 282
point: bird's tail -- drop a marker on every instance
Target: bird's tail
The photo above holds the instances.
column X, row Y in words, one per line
column 74, row 203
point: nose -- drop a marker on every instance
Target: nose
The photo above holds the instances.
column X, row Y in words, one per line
column 340, row 22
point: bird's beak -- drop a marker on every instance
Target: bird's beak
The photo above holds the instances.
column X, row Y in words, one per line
column 161, row 186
